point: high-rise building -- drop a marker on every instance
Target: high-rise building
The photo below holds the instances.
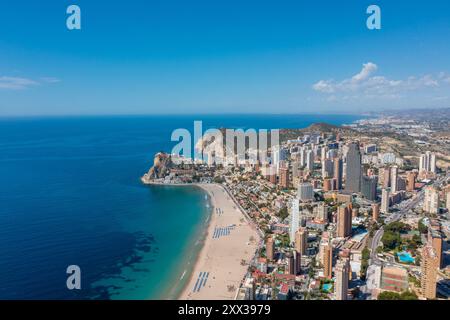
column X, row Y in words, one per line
column 301, row 241
column 394, row 179
column 435, row 240
column 297, row 261
column 291, row 263
column 411, row 181
column 270, row 248
column 386, row 174
column 295, row 219
column 310, row 160
column 369, row 187
column 327, row 184
column 327, row 168
column 337, row 172
column 342, row 278
column 327, row 258
column 447, row 202
column 305, row 191
column 375, row 211
column 427, row 162
column 284, row 177
column 385, row 200
column 431, row 200
column 447, row 196
column 429, row 272
column 344, row 221
column 353, row 168
column 322, row 212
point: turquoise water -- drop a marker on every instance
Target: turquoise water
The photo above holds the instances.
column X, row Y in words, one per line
column 70, row 194
column 405, row 257
column 327, row 287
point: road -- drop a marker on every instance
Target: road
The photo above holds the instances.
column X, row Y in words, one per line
column 395, row 217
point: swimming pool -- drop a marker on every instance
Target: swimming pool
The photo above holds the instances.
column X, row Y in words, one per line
column 405, row 257
column 327, row 287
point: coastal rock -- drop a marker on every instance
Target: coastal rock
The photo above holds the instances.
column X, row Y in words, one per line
column 162, row 163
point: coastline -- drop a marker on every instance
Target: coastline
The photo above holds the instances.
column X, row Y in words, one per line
column 217, row 269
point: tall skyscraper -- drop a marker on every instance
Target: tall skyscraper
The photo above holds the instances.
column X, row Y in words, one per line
column 427, row 162
column 447, row 196
column 291, row 263
column 297, row 261
column 369, row 187
column 353, row 168
column 337, row 172
column 327, row 168
column 435, row 240
column 295, row 219
column 301, row 241
column 429, row 272
column 375, row 211
column 284, row 177
column 322, row 212
column 327, row 252
column 385, row 195
column 344, row 221
column 394, row 179
column 342, row 278
column 431, row 200
column 310, row 160
column 386, row 174
column 270, row 248
column 411, row 181
column 305, row 191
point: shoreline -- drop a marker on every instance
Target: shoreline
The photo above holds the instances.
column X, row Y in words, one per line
column 217, row 270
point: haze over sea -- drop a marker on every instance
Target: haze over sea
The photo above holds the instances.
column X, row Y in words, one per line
column 70, row 194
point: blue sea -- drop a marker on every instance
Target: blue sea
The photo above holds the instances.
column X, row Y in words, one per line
column 70, row 194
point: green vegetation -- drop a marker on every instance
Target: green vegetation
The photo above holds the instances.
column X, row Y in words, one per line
column 284, row 240
column 364, row 262
column 422, row 227
column 406, row 295
column 391, row 238
column 219, row 180
column 283, row 213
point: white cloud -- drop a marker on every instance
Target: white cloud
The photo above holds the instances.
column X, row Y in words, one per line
column 367, row 70
column 365, row 84
column 19, row 83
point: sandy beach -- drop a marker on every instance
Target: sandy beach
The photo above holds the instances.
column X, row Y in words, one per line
column 218, row 270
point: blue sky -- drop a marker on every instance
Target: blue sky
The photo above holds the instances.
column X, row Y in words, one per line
column 167, row 56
